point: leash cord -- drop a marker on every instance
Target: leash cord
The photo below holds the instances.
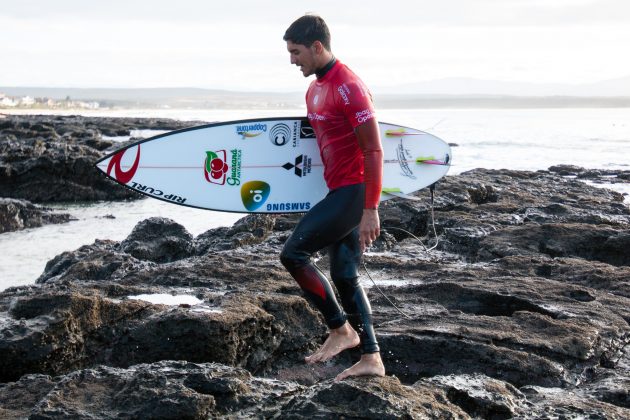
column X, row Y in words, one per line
column 432, row 189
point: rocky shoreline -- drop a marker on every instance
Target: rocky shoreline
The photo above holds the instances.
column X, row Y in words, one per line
column 521, row 311
column 48, row 159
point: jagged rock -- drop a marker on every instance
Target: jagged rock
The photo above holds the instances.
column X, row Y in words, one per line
column 158, row 239
column 21, row 214
column 100, row 261
column 376, row 398
column 482, row 194
column 566, row 170
column 56, row 332
column 480, row 396
column 249, row 230
column 17, row 399
column 609, row 385
column 237, row 333
column 575, row 271
column 184, row 390
column 166, row 390
column 560, row 403
column 48, row 158
column 522, row 310
column 599, row 243
column 44, row 170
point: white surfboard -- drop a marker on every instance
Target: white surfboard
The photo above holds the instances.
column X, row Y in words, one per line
column 269, row 165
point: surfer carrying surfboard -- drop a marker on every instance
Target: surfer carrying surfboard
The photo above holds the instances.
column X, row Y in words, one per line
column 341, row 112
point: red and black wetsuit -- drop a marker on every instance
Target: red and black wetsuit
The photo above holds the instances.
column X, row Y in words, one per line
column 338, row 102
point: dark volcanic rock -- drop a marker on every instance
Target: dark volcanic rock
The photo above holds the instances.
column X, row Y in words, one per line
column 521, row 310
column 21, row 214
column 17, row 399
column 557, row 403
column 159, row 240
column 378, row 398
column 184, row 390
column 166, row 390
column 51, row 158
column 236, row 333
column 599, row 243
column 99, row 261
column 57, row 332
column 481, row 396
column 249, row 230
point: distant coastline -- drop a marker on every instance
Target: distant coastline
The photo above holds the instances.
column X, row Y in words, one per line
column 191, row 98
column 498, row 101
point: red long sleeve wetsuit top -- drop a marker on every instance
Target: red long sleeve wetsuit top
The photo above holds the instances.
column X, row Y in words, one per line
column 337, row 103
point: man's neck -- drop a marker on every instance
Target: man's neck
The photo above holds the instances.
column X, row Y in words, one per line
column 321, row 72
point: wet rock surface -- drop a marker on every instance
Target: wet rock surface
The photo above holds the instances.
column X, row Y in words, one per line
column 50, row 158
column 522, row 310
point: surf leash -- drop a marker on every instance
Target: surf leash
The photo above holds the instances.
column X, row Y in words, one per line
column 437, row 240
column 432, row 190
column 435, row 125
column 383, row 293
column 400, row 132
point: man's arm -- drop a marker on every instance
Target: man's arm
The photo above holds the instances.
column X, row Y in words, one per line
column 368, row 135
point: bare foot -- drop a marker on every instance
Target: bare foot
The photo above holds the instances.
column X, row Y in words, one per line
column 339, row 339
column 370, row 364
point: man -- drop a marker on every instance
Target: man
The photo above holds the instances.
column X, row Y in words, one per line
column 346, row 221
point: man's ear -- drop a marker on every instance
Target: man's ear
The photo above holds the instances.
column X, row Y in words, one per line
column 318, row 47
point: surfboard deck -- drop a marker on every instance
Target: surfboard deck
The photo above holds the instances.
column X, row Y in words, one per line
column 268, row 165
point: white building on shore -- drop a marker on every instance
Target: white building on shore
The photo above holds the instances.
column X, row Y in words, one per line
column 7, row 102
column 46, row 103
column 27, row 101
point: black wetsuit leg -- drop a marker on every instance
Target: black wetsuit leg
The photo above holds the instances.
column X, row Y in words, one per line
column 345, row 257
column 332, row 223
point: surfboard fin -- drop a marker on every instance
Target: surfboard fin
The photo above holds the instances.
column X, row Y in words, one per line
column 400, row 132
column 431, row 160
column 395, row 192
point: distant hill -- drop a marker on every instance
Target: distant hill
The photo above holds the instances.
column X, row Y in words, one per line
column 161, row 97
column 467, row 87
column 446, row 93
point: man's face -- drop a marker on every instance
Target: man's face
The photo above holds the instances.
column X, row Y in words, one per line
column 302, row 56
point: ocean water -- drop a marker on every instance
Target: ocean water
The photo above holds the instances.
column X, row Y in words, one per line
column 524, row 139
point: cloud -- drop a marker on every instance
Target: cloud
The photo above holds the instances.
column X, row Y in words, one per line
column 355, row 12
column 238, row 44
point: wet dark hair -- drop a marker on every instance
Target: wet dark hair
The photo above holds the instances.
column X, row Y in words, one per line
column 308, row 29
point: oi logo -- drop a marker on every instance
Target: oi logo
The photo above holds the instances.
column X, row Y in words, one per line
column 254, row 194
column 215, row 167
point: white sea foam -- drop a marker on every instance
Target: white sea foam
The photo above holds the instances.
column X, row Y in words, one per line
column 145, row 134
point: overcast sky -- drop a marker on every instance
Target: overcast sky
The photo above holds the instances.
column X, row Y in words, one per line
column 237, row 44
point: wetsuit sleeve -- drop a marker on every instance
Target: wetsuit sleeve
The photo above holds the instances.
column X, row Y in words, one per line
column 356, row 102
column 370, row 144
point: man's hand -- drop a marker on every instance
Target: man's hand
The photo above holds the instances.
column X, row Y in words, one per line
column 369, row 228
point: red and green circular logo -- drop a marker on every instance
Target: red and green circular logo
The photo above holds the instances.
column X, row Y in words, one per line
column 215, row 167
